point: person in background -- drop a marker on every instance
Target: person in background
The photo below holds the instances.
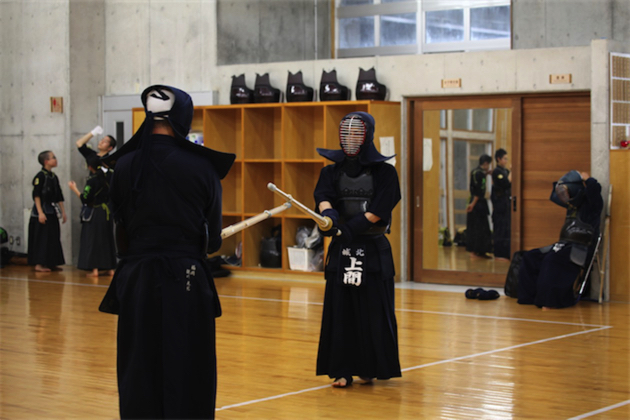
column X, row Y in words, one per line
column 44, row 233
column 359, row 335
column 547, row 275
column 103, row 148
column 97, row 250
column 166, row 194
column 478, row 236
column 500, row 197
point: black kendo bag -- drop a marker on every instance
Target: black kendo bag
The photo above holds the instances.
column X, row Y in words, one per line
column 271, row 249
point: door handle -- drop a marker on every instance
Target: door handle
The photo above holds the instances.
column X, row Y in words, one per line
column 513, row 203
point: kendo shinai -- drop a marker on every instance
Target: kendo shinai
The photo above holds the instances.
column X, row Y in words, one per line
column 548, row 275
column 166, row 196
column 358, row 192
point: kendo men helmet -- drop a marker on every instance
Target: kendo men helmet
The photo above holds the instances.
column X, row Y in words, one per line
column 568, row 190
column 356, row 137
column 352, row 134
column 170, row 104
column 175, row 107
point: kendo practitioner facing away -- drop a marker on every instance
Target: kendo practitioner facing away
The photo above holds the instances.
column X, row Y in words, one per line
column 500, row 197
column 547, row 275
column 358, row 192
column 478, row 236
column 166, row 196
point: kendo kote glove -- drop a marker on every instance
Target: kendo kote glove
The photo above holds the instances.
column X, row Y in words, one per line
column 355, row 226
column 334, row 216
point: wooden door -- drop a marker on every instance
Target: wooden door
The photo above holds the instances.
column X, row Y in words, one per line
column 550, row 135
column 556, row 139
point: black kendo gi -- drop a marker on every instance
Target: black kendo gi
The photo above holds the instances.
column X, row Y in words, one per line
column 166, row 194
column 44, row 240
column 478, row 236
column 98, row 249
column 547, row 275
column 359, row 332
column 501, row 216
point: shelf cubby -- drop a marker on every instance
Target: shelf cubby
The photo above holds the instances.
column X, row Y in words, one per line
column 252, row 238
column 232, row 187
column 256, row 176
column 223, row 130
column 303, row 131
column 300, row 179
column 263, row 133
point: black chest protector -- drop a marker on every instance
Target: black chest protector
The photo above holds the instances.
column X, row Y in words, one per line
column 354, row 195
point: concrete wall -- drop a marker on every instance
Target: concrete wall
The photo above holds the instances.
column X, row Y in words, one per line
column 565, row 23
column 34, row 56
column 87, row 83
column 150, row 41
column 263, row 31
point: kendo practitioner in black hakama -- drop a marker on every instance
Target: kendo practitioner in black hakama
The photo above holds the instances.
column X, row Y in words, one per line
column 98, row 250
column 478, row 236
column 500, row 197
column 547, row 275
column 359, row 335
column 44, row 234
column 166, row 194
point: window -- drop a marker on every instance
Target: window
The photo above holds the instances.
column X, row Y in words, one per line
column 388, row 27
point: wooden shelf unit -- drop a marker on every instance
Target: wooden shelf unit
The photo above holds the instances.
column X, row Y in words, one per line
column 277, row 143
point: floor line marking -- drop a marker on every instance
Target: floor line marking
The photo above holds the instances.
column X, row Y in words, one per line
column 455, row 359
column 274, row 397
column 601, row 410
column 516, row 346
column 321, row 303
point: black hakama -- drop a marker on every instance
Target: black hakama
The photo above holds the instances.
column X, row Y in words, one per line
column 44, row 242
column 98, row 249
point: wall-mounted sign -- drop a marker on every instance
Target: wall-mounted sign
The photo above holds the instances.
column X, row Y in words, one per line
column 56, row 104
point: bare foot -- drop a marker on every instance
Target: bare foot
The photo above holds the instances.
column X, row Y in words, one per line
column 93, row 273
column 501, row 259
column 42, row 269
column 340, row 383
column 547, row 308
column 365, row 380
column 110, row 273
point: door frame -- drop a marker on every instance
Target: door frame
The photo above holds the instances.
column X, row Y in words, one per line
column 416, row 107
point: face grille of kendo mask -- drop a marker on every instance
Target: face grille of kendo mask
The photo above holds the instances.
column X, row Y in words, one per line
column 352, row 132
column 563, row 193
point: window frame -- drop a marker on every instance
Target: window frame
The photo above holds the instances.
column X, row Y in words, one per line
column 420, row 8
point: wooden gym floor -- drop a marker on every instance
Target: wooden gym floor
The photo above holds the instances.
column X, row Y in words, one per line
column 461, row 359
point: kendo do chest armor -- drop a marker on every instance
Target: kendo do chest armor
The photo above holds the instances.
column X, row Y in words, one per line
column 354, row 197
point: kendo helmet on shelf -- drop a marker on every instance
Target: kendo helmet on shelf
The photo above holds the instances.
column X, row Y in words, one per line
column 297, row 91
column 330, row 89
column 264, row 92
column 368, row 88
column 239, row 92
